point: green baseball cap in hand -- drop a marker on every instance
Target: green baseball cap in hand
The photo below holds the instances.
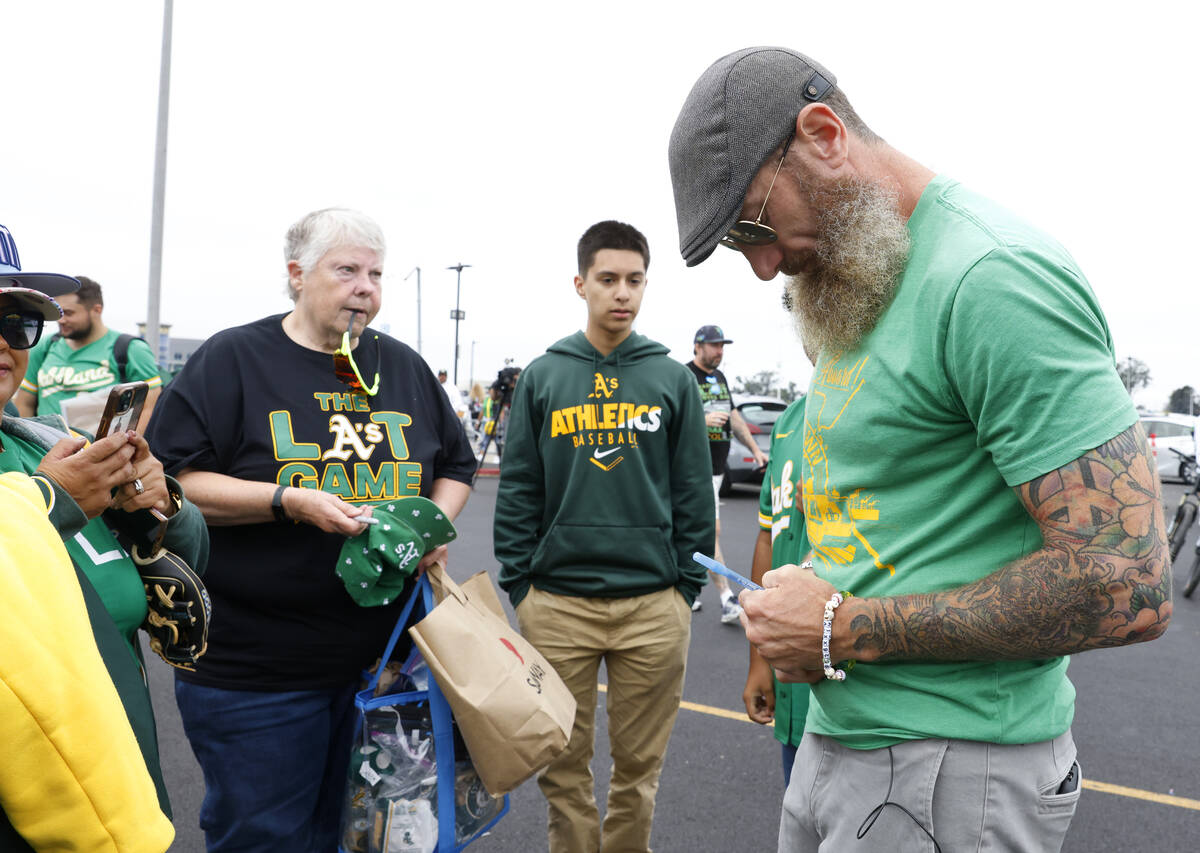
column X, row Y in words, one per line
column 376, row 564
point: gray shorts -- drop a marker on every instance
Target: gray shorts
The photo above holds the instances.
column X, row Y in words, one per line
column 970, row 796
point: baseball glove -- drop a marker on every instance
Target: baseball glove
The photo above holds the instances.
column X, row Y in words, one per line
column 178, row 607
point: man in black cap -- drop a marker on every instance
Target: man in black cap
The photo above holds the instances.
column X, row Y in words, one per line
column 964, row 540
column 722, row 420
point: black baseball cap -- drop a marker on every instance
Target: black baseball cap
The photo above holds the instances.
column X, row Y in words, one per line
column 711, row 335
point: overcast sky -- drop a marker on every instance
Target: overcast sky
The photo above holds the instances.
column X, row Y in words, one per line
column 494, row 134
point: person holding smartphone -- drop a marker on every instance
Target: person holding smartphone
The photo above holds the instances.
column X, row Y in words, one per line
column 91, row 489
column 284, row 430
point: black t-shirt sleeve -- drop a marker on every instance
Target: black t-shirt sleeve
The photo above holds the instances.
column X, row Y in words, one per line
column 199, row 413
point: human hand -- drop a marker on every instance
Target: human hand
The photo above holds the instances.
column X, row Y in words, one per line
column 148, row 471
column 89, row 474
column 437, row 555
column 784, row 622
column 325, row 511
column 759, row 694
column 716, row 419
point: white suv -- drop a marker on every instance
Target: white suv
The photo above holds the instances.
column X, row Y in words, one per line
column 1170, row 432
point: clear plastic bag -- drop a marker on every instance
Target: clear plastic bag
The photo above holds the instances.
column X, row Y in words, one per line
column 391, row 801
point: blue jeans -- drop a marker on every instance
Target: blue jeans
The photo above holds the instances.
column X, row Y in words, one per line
column 275, row 765
column 788, row 753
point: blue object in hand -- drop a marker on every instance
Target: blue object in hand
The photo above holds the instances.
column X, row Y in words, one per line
column 712, row 565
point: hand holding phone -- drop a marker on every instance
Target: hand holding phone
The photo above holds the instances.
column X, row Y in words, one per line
column 123, row 409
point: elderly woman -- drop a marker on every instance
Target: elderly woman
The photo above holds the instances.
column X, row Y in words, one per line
column 281, row 430
column 90, row 490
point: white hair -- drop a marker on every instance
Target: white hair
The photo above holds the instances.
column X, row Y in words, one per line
column 316, row 233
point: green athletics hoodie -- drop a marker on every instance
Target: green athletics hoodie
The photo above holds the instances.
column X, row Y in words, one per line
column 606, row 482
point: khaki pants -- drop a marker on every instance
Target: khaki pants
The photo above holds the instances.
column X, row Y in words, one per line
column 643, row 642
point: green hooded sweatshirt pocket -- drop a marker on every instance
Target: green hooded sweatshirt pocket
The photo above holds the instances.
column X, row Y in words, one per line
column 603, row 561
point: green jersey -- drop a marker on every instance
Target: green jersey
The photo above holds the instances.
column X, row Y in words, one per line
column 993, row 365
column 781, row 511
column 95, row 550
column 58, row 372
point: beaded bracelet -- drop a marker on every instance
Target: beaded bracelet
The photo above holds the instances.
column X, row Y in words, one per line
column 827, row 631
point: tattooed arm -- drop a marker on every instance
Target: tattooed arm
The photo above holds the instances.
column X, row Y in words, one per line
column 1101, row 578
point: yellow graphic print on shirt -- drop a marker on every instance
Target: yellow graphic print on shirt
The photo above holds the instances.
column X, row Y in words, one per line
column 362, row 481
column 833, row 519
column 605, row 429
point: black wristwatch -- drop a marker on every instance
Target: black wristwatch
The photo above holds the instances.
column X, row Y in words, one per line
column 277, row 505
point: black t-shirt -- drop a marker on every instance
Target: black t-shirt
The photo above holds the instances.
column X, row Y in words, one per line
column 253, row 404
column 714, row 393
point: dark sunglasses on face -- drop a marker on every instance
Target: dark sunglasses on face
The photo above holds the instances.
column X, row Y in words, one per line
column 747, row 233
column 346, row 369
column 21, row 329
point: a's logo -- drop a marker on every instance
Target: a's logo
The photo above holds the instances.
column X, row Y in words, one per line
column 602, row 387
column 344, row 434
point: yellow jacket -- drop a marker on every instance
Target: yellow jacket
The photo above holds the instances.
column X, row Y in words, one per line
column 72, row 776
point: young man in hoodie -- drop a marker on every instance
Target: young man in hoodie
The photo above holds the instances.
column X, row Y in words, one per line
column 600, row 507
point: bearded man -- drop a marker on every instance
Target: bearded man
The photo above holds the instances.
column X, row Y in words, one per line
column 964, row 540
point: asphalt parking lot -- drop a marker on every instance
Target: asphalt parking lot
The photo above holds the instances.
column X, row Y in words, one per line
column 1135, row 728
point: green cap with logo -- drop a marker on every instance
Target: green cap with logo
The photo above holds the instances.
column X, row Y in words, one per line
column 375, row 565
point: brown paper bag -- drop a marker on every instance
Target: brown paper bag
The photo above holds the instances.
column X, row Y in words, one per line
column 514, row 712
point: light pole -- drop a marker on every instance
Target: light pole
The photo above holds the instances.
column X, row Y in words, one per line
column 153, row 332
column 417, row 270
column 457, row 314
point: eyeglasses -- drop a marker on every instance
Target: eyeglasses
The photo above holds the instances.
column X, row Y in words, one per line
column 346, row 370
column 747, row 233
column 21, row 329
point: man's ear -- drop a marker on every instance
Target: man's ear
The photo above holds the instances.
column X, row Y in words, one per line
column 579, row 287
column 821, row 136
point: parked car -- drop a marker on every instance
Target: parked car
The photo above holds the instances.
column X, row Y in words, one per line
column 1173, row 432
column 760, row 414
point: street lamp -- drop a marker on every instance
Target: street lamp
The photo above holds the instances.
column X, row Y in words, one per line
column 457, row 314
column 417, row 270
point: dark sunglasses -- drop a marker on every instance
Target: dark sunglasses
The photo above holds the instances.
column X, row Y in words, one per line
column 345, row 368
column 747, row 233
column 21, row 329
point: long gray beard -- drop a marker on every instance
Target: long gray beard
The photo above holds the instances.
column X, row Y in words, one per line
column 849, row 278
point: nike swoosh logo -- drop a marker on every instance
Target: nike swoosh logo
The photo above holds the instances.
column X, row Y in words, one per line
column 784, row 434
column 598, row 455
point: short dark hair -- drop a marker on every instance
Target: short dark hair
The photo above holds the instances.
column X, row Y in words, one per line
column 611, row 234
column 89, row 293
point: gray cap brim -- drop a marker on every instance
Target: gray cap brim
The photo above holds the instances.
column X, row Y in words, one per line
column 740, row 110
column 33, row 300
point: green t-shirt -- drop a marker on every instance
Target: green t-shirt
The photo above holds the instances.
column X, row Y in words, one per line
column 992, row 366
column 781, row 511
column 94, row 550
column 57, row 372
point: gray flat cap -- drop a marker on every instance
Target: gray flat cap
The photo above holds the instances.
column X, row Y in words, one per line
column 740, row 110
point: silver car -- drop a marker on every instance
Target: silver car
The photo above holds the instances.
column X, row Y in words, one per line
column 760, row 414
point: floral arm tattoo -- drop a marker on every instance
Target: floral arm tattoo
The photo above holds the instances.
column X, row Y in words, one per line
column 1101, row 578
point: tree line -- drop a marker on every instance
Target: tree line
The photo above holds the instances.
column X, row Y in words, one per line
column 1135, row 374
